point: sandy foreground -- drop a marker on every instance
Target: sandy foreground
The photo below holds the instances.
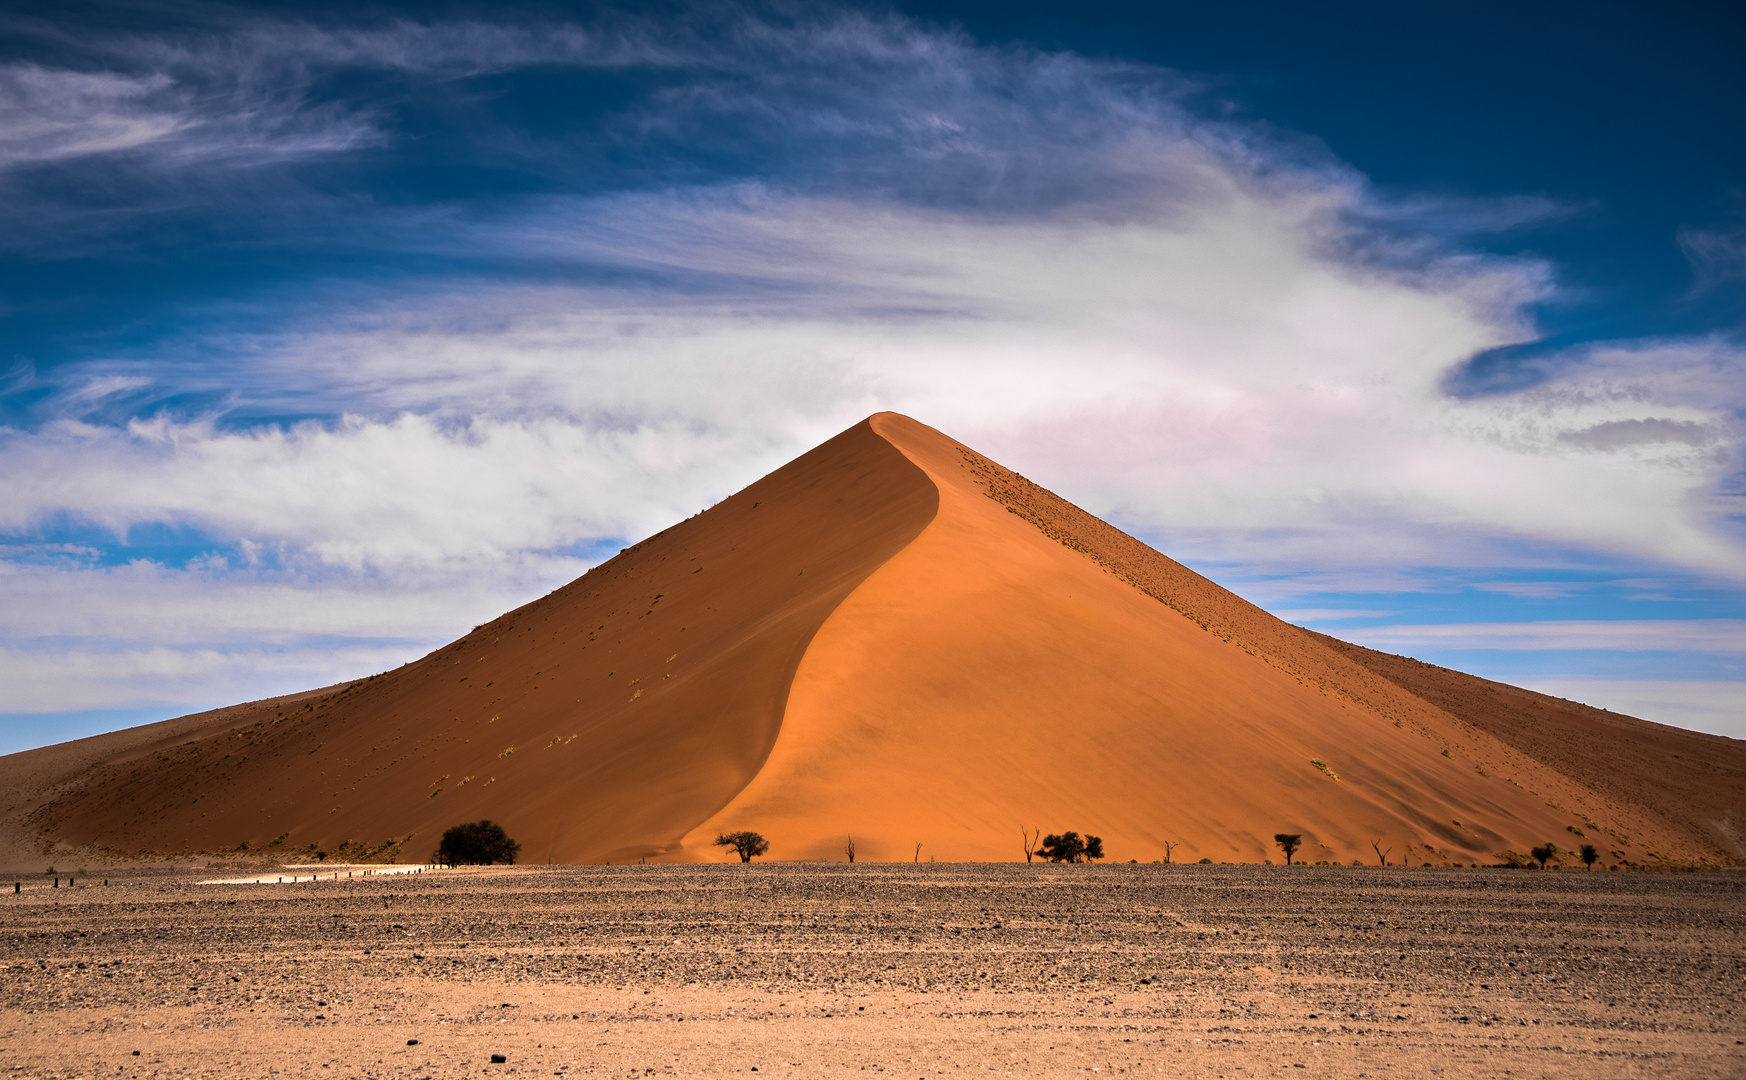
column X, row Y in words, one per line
column 906, row 970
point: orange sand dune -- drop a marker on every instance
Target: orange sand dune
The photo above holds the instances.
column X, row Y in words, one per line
column 891, row 637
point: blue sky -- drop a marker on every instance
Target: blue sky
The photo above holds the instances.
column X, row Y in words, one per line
column 330, row 332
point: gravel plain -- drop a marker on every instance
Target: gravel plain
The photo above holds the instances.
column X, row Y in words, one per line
column 897, row 969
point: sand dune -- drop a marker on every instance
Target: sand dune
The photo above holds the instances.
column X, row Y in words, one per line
column 895, row 638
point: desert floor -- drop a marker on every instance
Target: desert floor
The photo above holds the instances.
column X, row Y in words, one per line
column 906, row 970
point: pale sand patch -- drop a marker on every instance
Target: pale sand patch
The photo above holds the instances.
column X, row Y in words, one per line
column 308, row 874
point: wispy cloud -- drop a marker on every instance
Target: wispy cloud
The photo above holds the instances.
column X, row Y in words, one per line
column 1716, row 707
column 1717, row 253
column 408, row 493
column 1714, row 636
column 69, row 680
column 245, row 89
column 1216, row 372
column 1538, row 590
column 47, row 115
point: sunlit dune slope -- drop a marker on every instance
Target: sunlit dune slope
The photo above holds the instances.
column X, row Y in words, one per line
column 1011, row 667
column 601, row 721
column 1690, row 785
column 896, row 639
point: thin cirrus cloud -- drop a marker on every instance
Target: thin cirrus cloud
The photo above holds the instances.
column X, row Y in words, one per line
column 46, row 115
column 248, row 90
column 1725, row 637
column 1223, row 339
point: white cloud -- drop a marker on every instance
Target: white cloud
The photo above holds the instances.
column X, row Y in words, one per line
column 1308, row 615
column 68, row 680
column 82, row 637
column 47, row 114
column 1718, row 254
column 220, row 606
column 1716, row 707
column 250, row 91
column 408, row 493
column 1712, row 636
column 1538, row 590
column 1214, row 372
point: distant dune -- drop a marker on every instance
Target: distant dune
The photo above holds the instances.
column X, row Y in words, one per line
column 893, row 638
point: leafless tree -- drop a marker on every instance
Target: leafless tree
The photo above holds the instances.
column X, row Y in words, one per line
column 1169, row 845
column 849, row 848
column 917, row 851
column 1030, row 841
column 1381, row 855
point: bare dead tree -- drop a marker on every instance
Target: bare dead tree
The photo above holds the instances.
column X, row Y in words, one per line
column 1169, row 845
column 1030, row 841
column 917, row 851
column 1381, row 855
column 849, row 848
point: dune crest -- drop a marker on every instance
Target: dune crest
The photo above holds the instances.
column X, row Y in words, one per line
column 895, row 638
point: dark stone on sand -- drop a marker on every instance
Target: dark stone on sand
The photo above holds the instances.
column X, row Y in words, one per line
column 498, row 1059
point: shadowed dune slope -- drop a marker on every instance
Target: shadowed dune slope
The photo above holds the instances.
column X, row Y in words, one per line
column 897, row 639
column 34, row 778
column 599, row 722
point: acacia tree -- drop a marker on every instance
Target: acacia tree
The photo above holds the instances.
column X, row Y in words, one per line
column 479, row 843
column 1381, row 854
column 1589, row 855
column 1543, row 852
column 747, row 845
column 1062, row 847
column 1288, row 843
column 1070, row 847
